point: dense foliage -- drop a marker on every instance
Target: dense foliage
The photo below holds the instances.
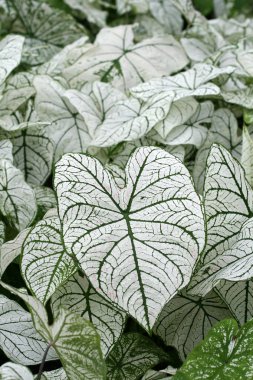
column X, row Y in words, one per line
column 126, row 199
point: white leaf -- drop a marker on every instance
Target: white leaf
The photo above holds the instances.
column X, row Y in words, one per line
column 57, row 374
column 17, row 91
column 115, row 58
column 89, row 11
column 125, row 239
column 74, row 339
column 10, row 55
column 167, row 15
column 247, row 155
column 45, row 199
column 2, row 237
column 224, row 131
column 228, row 202
column 234, row 264
column 79, row 296
column 6, row 150
column 186, row 319
column 132, row 356
column 33, row 153
column 131, row 120
column 12, row 371
column 68, row 131
column 45, row 263
column 95, row 103
column 12, row 249
column 17, row 199
column 192, row 82
column 18, row 338
column 180, row 111
column 239, row 298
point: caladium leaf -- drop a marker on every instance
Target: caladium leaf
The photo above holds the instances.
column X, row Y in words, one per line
column 247, row 155
column 115, row 58
column 79, row 296
column 10, row 55
column 239, row 298
column 45, row 199
column 6, row 150
column 224, row 354
column 157, row 211
column 96, row 102
column 17, row 199
column 12, row 371
column 131, row 120
column 89, row 10
column 46, row 29
column 234, row 264
column 57, row 374
column 186, row 319
column 11, row 249
column 18, row 89
column 138, row 6
column 45, row 263
column 19, row 340
column 2, row 237
column 192, row 82
column 167, row 15
column 180, row 111
column 228, row 202
column 243, row 98
column 74, row 339
column 193, row 131
column 224, row 131
column 68, row 131
column 132, row 356
column 33, row 153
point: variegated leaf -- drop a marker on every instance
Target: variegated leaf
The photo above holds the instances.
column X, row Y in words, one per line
column 12, row 371
column 247, row 155
column 10, row 54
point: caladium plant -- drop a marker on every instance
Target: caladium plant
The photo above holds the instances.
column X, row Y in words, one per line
column 126, row 190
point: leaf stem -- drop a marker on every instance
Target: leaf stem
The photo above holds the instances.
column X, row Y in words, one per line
column 43, row 362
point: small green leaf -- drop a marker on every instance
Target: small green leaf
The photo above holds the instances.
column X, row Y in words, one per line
column 225, row 354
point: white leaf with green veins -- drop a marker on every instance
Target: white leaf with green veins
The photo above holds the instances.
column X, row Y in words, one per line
column 17, row 91
column 46, row 29
column 45, row 264
column 68, row 130
column 79, row 296
column 11, row 249
column 224, row 131
column 17, row 198
column 12, row 371
column 132, row 356
column 116, row 58
column 10, row 55
column 193, row 131
column 131, row 120
column 6, row 150
column 228, row 202
column 234, row 264
column 243, row 98
column 167, row 15
column 95, row 102
column 192, row 82
column 125, row 239
column 88, row 10
column 33, row 153
column 180, row 111
column 239, row 298
column 45, row 199
column 18, row 338
column 186, row 319
column 74, row 339
column 247, row 155
column 57, row 374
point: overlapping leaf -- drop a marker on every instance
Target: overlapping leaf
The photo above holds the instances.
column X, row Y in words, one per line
column 79, row 296
column 186, row 320
column 247, row 155
column 115, row 58
column 19, row 340
column 132, row 356
column 11, row 371
column 125, row 239
column 45, row 263
column 10, row 55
